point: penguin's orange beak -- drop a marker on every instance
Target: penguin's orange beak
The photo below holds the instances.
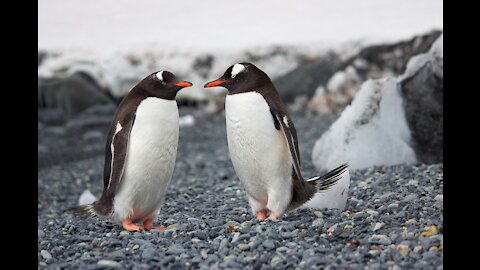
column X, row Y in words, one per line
column 214, row 83
column 184, row 84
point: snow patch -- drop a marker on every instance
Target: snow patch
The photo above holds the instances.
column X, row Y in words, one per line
column 372, row 130
column 86, row 198
column 186, row 121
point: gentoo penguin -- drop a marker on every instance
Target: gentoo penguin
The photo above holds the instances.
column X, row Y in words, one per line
column 140, row 153
column 263, row 144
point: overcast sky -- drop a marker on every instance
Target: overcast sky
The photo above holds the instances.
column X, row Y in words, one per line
column 216, row 24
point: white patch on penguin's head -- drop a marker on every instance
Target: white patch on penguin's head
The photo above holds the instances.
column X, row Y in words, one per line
column 237, row 68
column 159, row 75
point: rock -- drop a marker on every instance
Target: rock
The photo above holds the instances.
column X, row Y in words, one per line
column 403, row 249
column 86, row 198
column 268, row 244
column 422, row 90
column 439, row 198
column 70, row 95
column 150, row 252
column 46, row 255
column 275, row 261
column 175, row 250
column 397, row 121
column 304, row 79
column 109, row 263
column 243, row 247
column 374, row 61
column 318, row 222
column 41, row 234
column 379, row 239
column 378, row 226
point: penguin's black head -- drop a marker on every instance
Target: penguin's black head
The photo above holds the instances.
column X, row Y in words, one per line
column 163, row 84
column 241, row 77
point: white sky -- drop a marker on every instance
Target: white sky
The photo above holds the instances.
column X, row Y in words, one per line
column 217, row 24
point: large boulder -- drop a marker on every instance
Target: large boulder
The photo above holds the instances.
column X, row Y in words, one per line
column 303, row 80
column 422, row 91
column 391, row 120
column 62, row 98
column 371, row 62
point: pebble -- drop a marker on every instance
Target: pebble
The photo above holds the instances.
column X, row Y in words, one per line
column 275, row 261
column 46, row 255
column 109, row 263
column 378, row 226
column 379, row 239
column 268, row 244
column 439, row 198
column 205, row 197
column 318, row 222
column 243, row 247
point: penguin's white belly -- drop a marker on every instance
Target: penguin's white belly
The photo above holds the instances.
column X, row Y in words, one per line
column 151, row 155
column 258, row 151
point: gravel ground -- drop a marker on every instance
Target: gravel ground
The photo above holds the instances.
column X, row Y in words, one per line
column 393, row 220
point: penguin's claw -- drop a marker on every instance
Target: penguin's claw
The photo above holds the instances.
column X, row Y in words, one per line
column 262, row 215
column 129, row 226
column 273, row 217
column 148, row 224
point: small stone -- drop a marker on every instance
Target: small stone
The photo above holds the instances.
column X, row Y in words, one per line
column 318, row 214
column 123, row 233
column 372, row 212
column 411, row 221
column 109, row 263
column 235, row 237
column 439, row 198
column 392, row 206
column 378, row 226
column 269, row 244
column 275, row 261
column 135, row 247
column 201, row 235
column 46, row 255
column 418, row 249
column 433, row 249
column 318, row 222
column 380, row 239
column 410, row 197
column 175, row 249
column 403, row 249
column 41, row 234
column 243, row 247
column 412, row 183
column 149, row 253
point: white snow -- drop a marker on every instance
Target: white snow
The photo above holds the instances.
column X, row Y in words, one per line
column 372, row 130
column 186, row 121
column 335, row 197
column 86, row 198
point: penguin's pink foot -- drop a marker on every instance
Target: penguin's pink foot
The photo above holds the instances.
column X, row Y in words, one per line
column 148, row 224
column 129, row 226
column 262, row 214
column 273, row 217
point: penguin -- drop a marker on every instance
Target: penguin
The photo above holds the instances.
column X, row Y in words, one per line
column 140, row 154
column 263, row 144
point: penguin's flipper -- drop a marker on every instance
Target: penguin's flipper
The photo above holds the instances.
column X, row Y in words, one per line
column 116, row 155
column 284, row 124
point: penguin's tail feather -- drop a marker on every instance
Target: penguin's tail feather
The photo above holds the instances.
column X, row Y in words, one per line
column 85, row 211
column 324, row 182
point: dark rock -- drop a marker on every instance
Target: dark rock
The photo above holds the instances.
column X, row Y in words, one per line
column 423, row 102
column 305, row 79
column 71, row 95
